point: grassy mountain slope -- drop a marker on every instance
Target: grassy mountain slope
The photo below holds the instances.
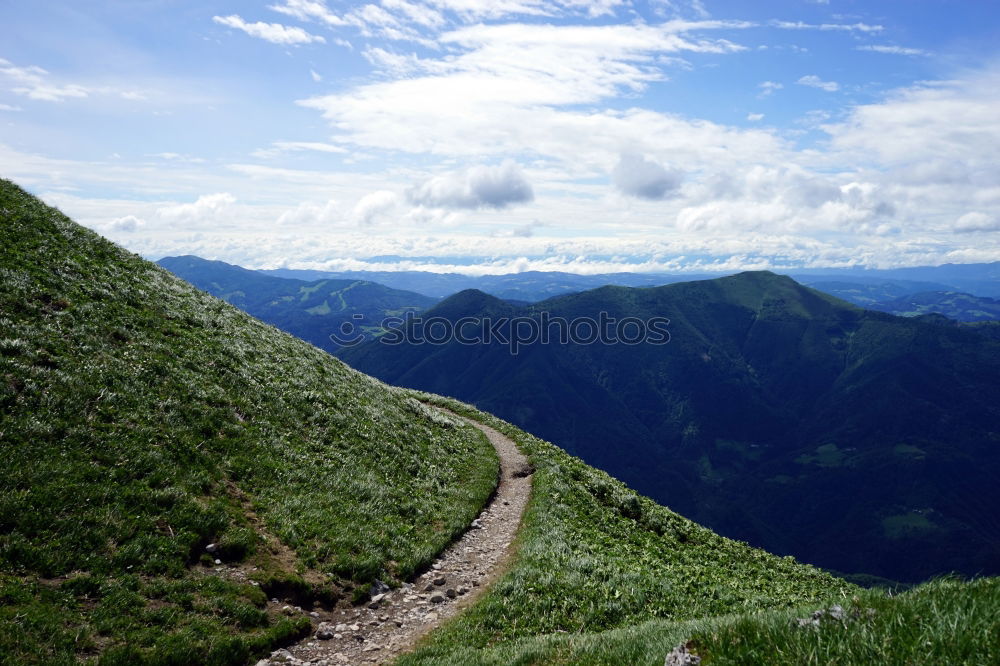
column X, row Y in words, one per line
column 309, row 310
column 776, row 414
column 595, row 555
column 943, row 621
column 605, row 577
column 141, row 419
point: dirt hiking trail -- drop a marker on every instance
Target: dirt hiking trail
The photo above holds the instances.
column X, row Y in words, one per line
column 391, row 623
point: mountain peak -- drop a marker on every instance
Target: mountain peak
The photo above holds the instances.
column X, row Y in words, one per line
column 469, row 301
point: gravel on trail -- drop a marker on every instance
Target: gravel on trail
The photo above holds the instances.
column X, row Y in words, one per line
column 391, row 623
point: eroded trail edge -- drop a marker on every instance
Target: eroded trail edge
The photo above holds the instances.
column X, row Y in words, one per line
column 390, row 624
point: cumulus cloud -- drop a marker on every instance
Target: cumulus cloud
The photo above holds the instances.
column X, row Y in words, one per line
column 372, row 206
column 479, row 187
column 208, row 208
column 814, row 81
column 309, row 214
column 127, row 223
column 275, row 33
column 977, row 221
column 638, row 176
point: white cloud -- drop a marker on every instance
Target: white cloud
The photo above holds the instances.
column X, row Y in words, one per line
column 895, row 50
column 311, row 214
column 315, row 75
column 420, row 14
column 177, row 157
column 127, row 223
column 951, row 123
column 208, row 208
column 306, row 10
column 755, row 117
column 638, row 176
column 271, row 32
column 279, row 147
column 840, row 27
column 976, row 221
column 8, row 107
column 767, row 88
column 479, row 187
column 500, row 89
column 478, row 10
column 372, row 206
column 32, row 83
column 814, row 81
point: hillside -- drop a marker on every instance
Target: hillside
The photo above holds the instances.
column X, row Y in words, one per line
column 855, row 440
column 312, row 310
column 142, row 420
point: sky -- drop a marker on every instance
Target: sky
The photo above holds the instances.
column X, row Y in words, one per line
column 497, row 136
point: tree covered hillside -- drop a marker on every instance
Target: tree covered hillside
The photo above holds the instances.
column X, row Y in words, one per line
column 775, row 414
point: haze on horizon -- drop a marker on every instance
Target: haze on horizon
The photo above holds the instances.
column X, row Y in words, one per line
column 491, row 136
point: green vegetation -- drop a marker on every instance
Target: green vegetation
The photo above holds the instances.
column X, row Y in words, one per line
column 312, row 311
column 141, row 420
column 594, row 556
column 945, row 622
column 776, row 414
column 952, row 304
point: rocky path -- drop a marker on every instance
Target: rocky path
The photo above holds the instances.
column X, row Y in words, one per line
column 392, row 622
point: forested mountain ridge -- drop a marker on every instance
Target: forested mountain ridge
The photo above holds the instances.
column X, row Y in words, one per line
column 853, row 439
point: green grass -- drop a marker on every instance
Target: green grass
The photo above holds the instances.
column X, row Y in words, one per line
column 141, row 419
column 944, row 622
column 594, row 556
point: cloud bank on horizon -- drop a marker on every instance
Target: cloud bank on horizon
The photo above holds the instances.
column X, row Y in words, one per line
column 488, row 136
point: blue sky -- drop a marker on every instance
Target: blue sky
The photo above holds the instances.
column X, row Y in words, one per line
column 505, row 135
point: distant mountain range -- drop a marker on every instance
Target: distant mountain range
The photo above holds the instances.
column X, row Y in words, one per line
column 311, row 310
column 862, row 287
column 529, row 286
column 777, row 414
column 951, row 304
